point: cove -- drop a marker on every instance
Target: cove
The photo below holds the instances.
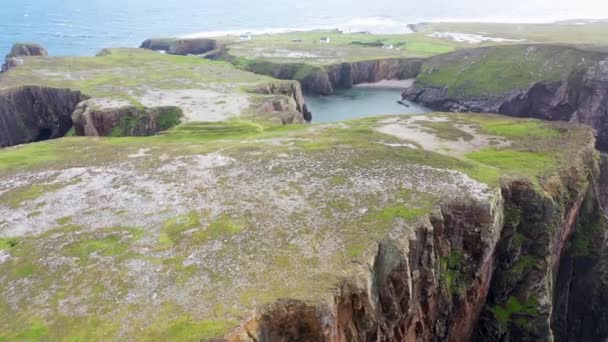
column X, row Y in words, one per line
column 360, row 102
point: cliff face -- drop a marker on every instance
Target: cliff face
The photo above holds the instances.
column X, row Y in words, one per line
column 30, row 114
column 346, row 75
column 324, row 80
column 292, row 108
column 471, row 271
column 92, row 120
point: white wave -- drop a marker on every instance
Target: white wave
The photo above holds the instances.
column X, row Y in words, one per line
column 471, row 38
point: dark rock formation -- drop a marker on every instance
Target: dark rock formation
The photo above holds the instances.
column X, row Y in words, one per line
column 30, row 114
column 92, row 120
column 193, row 46
column 21, row 50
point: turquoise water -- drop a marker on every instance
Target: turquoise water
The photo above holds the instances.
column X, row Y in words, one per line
column 79, row 27
column 358, row 103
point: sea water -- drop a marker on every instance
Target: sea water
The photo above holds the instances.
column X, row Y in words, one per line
column 360, row 102
column 77, row 27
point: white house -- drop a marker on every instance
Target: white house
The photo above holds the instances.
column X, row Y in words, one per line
column 245, row 37
column 325, row 40
column 388, row 46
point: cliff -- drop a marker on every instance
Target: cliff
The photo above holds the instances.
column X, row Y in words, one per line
column 387, row 229
column 323, row 80
column 314, row 78
column 193, row 46
column 544, row 82
column 29, row 114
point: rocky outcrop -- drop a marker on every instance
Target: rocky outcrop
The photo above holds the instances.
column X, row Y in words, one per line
column 174, row 46
column 22, row 50
column 127, row 120
column 470, row 271
column 29, row 114
column 291, row 106
column 582, row 97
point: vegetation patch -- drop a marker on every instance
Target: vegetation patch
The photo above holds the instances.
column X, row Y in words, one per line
column 222, row 227
column 446, row 130
column 515, row 312
column 512, row 161
column 173, row 228
column 16, row 197
column 114, row 243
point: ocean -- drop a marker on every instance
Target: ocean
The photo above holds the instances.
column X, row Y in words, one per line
column 76, row 27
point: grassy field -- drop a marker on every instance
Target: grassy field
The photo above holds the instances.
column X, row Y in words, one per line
column 592, row 34
column 495, row 70
column 304, row 47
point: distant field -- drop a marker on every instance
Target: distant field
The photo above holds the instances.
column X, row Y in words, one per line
column 581, row 33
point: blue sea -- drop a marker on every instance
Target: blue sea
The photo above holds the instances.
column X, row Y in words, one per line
column 83, row 27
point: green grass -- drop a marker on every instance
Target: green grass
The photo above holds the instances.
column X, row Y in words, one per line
column 173, row 228
column 446, row 130
column 517, row 129
column 223, row 227
column 112, row 244
column 514, row 311
column 25, row 156
column 169, row 119
column 8, row 243
column 515, row 162
column 498, row 70
column 16, row 197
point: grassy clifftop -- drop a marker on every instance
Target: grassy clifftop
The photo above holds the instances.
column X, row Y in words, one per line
column 495, row 70
column 183, row 236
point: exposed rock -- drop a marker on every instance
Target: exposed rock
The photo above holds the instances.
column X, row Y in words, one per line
column 27, row 49
column 293, row 104
column 21, row 50
column 90, row 119
column 30, row 114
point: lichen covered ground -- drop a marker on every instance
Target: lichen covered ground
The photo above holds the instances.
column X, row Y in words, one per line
column 182, row 236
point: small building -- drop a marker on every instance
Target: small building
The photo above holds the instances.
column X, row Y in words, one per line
column 388, row 46
column 245, row 37
column 325, row 40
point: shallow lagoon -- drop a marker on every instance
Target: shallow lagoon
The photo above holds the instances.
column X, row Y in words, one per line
column 360, row 102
